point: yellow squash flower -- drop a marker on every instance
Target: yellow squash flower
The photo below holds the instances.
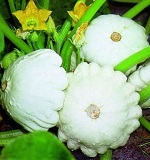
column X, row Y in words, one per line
column 32, row 18
column 78, row 38
column 79, row 10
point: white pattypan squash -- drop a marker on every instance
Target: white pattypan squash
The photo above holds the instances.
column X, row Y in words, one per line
column 140, row 79
column 109, row 39
column 100, row 109
column 32, row 89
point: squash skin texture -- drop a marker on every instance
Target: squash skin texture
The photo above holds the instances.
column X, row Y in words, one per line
column 100, row 48
column 118, row 104
column 35, row 89
column 140, row 79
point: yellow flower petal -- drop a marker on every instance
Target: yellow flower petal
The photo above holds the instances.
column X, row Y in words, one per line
column 32, row 18
column 78, row 38
column 79, row 10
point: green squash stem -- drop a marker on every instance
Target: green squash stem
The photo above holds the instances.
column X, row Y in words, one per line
column 64, row 32
column 147, row 26
column 107, row 155
column 144, row 94
column 12, row 37
column 6, row 136
column 133, row 60
column 131, row 13
column 65, row 53
column 144, row 122
column 12, row 6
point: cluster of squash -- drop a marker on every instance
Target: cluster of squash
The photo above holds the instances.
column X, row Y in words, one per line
column 94, row 107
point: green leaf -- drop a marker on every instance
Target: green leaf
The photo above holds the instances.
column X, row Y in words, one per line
column 38, row 145
column 2, row 43
column 17, row 4
column 4, row 9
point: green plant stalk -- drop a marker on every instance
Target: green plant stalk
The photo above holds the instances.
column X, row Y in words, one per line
column 35, row 47
column 141, row 55
column 68, row 47
column 6, row 136
column 11, row 6
column 88, row 15
column 133, row 60
column 23, row 4
column 107, row 155
column 48, row 43
column 130, row 62
column 2, row 43
column 30, row 44
column 147, row 26
column 51, row 45
column 65, row 53
column 64, row 32
column 12, row 37
column 146, row 143
column 78, row 59
column 144, row 122
column 40, row 43
column 131, row 13
column 46, row 4
column 11, row 133
column 144, row 94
